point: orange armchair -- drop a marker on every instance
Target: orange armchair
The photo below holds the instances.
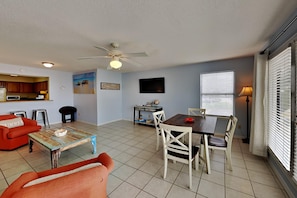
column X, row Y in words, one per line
column 88, row 183
column 12, row 138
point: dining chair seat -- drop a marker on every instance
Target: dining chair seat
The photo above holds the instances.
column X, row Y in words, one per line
column 195, row 149
column 217, row 141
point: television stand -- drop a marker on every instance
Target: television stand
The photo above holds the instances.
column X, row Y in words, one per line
column 146, row 121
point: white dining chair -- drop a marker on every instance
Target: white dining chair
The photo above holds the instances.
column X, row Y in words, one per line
column 159, row 117
column 175, row 149
column 197, row 111
column 223, row 143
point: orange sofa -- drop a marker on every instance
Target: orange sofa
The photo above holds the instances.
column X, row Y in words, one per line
column 16, row 135
column 87, row 183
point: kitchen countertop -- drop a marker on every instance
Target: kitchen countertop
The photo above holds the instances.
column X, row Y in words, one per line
column 25, row 100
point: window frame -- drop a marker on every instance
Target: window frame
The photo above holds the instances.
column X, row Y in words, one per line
column 232, row 94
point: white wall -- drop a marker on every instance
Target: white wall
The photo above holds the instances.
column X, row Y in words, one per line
column 109, row 101
column 105, row 105
column 60, row 89
column 86, row 105
column 182, row 88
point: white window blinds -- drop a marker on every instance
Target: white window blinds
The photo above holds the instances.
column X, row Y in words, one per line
column 295, row 141
column 217, row 93
column 279, row 137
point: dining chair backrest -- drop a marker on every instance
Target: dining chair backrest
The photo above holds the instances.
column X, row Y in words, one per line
column 197, row 111
column 159, row 117
column 174, row 144
column 230, row 129
column 174, row 148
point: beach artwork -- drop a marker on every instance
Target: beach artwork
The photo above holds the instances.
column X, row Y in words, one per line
column 84, row 83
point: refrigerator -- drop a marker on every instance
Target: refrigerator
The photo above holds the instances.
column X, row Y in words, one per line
column 2, row 94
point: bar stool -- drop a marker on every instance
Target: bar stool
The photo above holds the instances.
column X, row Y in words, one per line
column 19, row 113
column 43, row 112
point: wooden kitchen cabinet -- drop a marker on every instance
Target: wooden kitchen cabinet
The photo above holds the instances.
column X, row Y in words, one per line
column 13, row 87
column 40, row 86
column 26, row 87
column 2, row 84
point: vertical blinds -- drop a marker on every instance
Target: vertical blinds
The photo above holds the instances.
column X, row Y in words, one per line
column 295, row 141
column 279, row 111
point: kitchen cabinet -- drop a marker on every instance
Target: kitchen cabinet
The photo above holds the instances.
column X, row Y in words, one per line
column 40, row 86
column 2, row 84
column 26, row 87
column 13, row 87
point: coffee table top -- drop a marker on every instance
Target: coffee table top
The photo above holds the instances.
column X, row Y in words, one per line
column 48, row 139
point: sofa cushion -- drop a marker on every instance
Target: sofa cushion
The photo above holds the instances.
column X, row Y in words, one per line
column 11, row 123
column 55, row 176
column 21, row 131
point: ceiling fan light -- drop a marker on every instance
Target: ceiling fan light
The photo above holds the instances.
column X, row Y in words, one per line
column 115, row 64
column 46, row 64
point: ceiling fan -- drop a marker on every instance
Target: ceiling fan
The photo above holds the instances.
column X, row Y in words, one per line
column 117, row 56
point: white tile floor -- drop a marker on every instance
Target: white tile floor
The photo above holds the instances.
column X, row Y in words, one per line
column 138, row 168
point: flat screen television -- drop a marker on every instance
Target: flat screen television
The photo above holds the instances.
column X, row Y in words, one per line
column 152, row 85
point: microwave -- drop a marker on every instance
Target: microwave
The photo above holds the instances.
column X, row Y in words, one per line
column 13, row 97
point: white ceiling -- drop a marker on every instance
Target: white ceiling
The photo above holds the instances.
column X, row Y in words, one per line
column 172, row 32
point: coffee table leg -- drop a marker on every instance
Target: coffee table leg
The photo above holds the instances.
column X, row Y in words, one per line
column 30, row 146
column 93, row 141
column 54, row 158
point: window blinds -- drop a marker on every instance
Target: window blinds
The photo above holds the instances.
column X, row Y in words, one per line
column 217, row 93
column 295, row 141
column 279, row 135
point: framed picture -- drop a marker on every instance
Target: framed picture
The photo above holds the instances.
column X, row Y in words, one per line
column 109, row 86
column 84, row 83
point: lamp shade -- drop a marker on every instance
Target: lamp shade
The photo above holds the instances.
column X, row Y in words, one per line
column 246, row 91
column 115, row 63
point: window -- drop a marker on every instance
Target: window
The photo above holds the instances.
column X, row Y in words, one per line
column 217, row 93
column 279, row 111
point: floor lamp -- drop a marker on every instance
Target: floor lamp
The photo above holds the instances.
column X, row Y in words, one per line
column 247, row 91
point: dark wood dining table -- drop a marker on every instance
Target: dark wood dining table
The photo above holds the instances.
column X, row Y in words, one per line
column 200, row 125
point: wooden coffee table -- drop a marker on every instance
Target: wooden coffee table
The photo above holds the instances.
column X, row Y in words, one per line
column 56, row 145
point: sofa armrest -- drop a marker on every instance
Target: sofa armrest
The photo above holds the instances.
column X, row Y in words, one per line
column 18, row 184
column 103, row 158
column 29, row 122
column 107, row 161
column 87, row 183
column 3, row 132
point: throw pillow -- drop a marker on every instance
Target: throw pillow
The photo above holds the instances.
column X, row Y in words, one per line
column 11, row 123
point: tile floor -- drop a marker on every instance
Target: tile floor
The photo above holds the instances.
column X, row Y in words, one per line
column 139, row 167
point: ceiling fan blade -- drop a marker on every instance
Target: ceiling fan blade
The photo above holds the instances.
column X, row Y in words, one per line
column 93, row 57
column 130, row 61
column 137, row 54
column 102, row 48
